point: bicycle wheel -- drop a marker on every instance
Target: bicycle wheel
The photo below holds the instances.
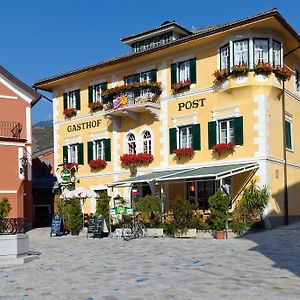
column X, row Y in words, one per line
column 127, row 232
column 140, row 230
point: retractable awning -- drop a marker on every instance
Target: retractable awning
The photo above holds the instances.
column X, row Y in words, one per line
column 216, row 172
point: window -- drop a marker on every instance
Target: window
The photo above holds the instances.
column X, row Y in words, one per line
column 241, row 52
column 297, row 78
column 276, row 53
column 97, row 93
column 226, row 131
column 185, row 137
column 147, row 44
column 72, row 99
column 132, row 79
column 147, row 143
column 73, row 153
column 146, row 77
column 288, row 134
column 99, row 149
column 261, row 50
column 182, row 71
column 156, row 42
column 131, row 143
column 225, row 57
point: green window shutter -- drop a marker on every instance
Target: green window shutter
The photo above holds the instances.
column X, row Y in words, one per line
column 212, row 134
column 196, row 137
column 91, row 94
column 107, row 149
column 103, row 86
column 77, row 95
column 90, row 151
column 173, row 73
column 193, row 70
column 65, row 154
column 65, row 96
column 80, row 153
column 173, row 139
column 153, row 75
column 288, row 135
column 238, row 131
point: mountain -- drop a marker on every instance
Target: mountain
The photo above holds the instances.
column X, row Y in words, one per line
column 42, row 136
column 46, row 123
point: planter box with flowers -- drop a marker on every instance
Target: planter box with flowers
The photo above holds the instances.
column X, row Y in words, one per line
column 97, row 164
column 73, row 167
column 282, row 72
column 224, row 148
column 94, row 106
column 262, row 68
column 220, row 76
column 69, row 112
column 184, row 152
column 141, row 158
column 239, row 70
column 180, row 87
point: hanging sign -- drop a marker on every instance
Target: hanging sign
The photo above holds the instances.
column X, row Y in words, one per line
column 65, row 175
column 121, row 210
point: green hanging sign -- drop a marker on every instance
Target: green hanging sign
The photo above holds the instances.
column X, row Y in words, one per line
column 65, row 175
column 121, row 210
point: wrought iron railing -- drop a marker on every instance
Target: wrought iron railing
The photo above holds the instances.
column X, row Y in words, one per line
column 10, row 129
column 12, row 226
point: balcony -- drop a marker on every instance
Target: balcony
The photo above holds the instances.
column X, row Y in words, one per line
column 10, row 129
column 132, row 100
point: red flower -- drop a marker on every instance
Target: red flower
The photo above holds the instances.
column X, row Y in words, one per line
column 137, row 158
column 222, row 147
column 263, row 68
column 283, row 72
column 97, row 163
column 184, row 151
column 70, row 166
column 69, row 112
column 95, row 105
column 221, row 75
column 180, row 86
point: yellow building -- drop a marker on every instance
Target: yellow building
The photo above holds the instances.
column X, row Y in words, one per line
column 187, row 131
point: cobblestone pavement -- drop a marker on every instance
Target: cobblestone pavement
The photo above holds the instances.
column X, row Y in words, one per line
column 263, row 265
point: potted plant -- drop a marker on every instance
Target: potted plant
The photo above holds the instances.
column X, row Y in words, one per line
column 223, row 148
column 262, row 68
column 70, row 112
column 180, row 87
column 219, row 209
column 73, row 216
column 94, row 106
column 239, row 70
column 141, row 158
column 184, row 152
column 97, row 163
column 220, row 75
column 282, row 72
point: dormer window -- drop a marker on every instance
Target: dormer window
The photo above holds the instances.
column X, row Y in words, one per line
column 225, row 57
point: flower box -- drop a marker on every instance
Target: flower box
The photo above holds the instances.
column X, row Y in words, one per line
column 136, row 158
column 262, row 68
column 220, row 75
column 71, row 166
column 282, row 72
column 69, row 112
column 223, row 148
column 97, row 163
column 181, row 86
column 95, row 106
column 184, row 151
column 239, row 70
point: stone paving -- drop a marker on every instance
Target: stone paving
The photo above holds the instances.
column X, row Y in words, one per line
column 263, row 265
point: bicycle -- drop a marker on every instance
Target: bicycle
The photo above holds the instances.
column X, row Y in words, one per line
column 133, row 230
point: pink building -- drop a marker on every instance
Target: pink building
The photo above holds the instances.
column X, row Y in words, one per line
column 16, row 101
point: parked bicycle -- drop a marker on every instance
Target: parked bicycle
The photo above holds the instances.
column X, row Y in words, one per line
column 133, row 230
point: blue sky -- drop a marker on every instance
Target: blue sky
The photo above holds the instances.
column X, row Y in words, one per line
column 43, row 38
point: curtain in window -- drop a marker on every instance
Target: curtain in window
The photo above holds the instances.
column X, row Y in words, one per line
column 241, row 53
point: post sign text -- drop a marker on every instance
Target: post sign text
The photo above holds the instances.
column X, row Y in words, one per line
column 191, row 104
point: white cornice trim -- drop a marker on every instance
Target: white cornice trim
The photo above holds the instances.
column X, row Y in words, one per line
column 8, row 192
column 8, row 97
column 12, row 143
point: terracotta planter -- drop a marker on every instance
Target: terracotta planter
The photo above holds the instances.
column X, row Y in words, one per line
column 220, row 235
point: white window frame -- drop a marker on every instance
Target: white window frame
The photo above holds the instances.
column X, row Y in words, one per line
column 147, row 142
column 97, row 93
column 242, row 52
column 189, row 136
column 259, row 53
column 71, row 99
column 225, row 57
column 99, row 151
column 229, row 137
column 131, row 144
column 73, row 153
column 184, row 71
column 288, row 118
column 276, row 53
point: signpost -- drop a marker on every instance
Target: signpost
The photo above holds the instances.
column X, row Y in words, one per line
column 56, row 225
column 95, row 226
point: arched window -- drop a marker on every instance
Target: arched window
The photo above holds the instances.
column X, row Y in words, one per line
column 147, row 144
column 131, row 144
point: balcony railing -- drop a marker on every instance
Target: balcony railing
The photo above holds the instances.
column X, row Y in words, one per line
column 10, row 129
column 12, row 226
